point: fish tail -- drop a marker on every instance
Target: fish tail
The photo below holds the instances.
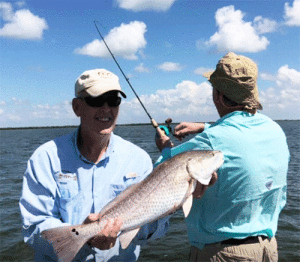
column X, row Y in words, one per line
column 66, row 241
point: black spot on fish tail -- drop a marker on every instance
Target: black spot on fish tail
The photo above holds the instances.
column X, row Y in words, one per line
column 66, row 241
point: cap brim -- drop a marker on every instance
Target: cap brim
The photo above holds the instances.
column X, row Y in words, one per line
column 95, row 94
column 122, row 93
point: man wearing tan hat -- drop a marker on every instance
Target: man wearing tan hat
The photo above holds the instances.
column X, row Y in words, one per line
column 70, row 179
column 236, row 219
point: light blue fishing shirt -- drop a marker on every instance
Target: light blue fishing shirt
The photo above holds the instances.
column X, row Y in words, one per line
column 61, row 187
column 251, row 188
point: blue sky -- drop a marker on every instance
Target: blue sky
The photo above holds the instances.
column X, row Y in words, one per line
column 163, row 46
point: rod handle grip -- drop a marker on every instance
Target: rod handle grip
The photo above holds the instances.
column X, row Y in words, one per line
column 160, row 130
column 154, row 123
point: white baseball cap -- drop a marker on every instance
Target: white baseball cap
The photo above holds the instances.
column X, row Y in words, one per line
column 96, row 82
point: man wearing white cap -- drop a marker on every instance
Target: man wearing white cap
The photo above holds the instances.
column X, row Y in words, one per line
column 237, row 218
column 70, row 179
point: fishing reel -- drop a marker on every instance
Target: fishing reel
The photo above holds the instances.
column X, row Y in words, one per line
column 167, row 129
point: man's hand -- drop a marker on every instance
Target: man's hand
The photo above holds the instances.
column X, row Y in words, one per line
column 186, row 128
column 200, row 188
column 162, row 141
column 106, row 239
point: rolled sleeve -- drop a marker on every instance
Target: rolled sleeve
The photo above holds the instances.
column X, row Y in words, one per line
column 199, row 142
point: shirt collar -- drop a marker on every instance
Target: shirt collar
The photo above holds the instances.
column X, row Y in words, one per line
column 109, row 151
column 234, row 113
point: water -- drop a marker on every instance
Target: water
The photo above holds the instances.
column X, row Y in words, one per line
column 18, row 145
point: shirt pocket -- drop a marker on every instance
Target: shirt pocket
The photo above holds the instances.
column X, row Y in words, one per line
column 67, row 184
column 70, row 198
column 120, row 185
column 116, row 189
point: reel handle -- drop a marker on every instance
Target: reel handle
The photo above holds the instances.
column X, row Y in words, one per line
column 167, row 129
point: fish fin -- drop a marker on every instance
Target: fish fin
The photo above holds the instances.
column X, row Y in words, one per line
column 65, row 241
column 187, row 205
column 127, row 236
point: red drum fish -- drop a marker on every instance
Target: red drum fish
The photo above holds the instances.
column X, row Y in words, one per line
column 165, row 190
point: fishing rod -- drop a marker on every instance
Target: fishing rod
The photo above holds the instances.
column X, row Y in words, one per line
column 167, row 129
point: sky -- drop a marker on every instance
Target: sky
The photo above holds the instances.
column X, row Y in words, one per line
column 163, row 47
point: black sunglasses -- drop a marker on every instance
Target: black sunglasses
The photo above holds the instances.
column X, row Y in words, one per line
column 99, row 101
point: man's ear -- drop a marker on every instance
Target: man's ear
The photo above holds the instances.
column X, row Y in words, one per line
column 221, row 100
column 219, row 97
column 77, row 106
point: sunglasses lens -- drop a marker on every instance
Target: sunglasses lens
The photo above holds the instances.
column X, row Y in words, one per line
column 112, row 101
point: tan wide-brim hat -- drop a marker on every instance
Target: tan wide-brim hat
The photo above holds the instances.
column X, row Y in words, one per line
column 236, row 77
column 96, row 82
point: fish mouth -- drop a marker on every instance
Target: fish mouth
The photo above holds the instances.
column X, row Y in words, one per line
column 219, row 157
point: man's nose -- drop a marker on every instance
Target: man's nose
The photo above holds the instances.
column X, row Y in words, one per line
column 105, row 107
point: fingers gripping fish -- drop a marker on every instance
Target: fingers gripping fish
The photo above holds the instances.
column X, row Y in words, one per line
column 165, row 190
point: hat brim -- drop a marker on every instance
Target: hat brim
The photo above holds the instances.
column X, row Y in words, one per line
column 208, row 74
column 232, row 90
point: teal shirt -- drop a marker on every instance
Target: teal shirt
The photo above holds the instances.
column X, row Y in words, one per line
column 251, row 188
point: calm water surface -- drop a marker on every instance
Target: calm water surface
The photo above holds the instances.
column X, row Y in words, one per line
column 18, row 145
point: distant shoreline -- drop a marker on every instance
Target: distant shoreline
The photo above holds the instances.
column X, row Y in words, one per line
column 71, row 126
column 134, row 124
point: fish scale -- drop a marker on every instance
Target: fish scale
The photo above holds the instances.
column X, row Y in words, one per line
column 148, row 209
column 166, row 189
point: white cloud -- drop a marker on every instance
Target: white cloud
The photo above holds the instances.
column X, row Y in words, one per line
column 284, row 96
column 21, row 113
column 61, row 110
column 20, row 4
column 292, row 13
column 264, row 25
column 267, row 76
column 14, row 118
column 18, row 101
column 145, row 5
column 202, row 70
column 234, row 34
column 288, row 77
column 188, row 100
column 22, row 24
column 142, row 69
column 6, row 11
column 126, row 41
column 170, row 66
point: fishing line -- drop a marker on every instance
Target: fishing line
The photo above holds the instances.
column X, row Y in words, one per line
column 153, row 122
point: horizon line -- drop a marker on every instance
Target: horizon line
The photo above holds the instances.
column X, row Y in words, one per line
column 132, row 124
